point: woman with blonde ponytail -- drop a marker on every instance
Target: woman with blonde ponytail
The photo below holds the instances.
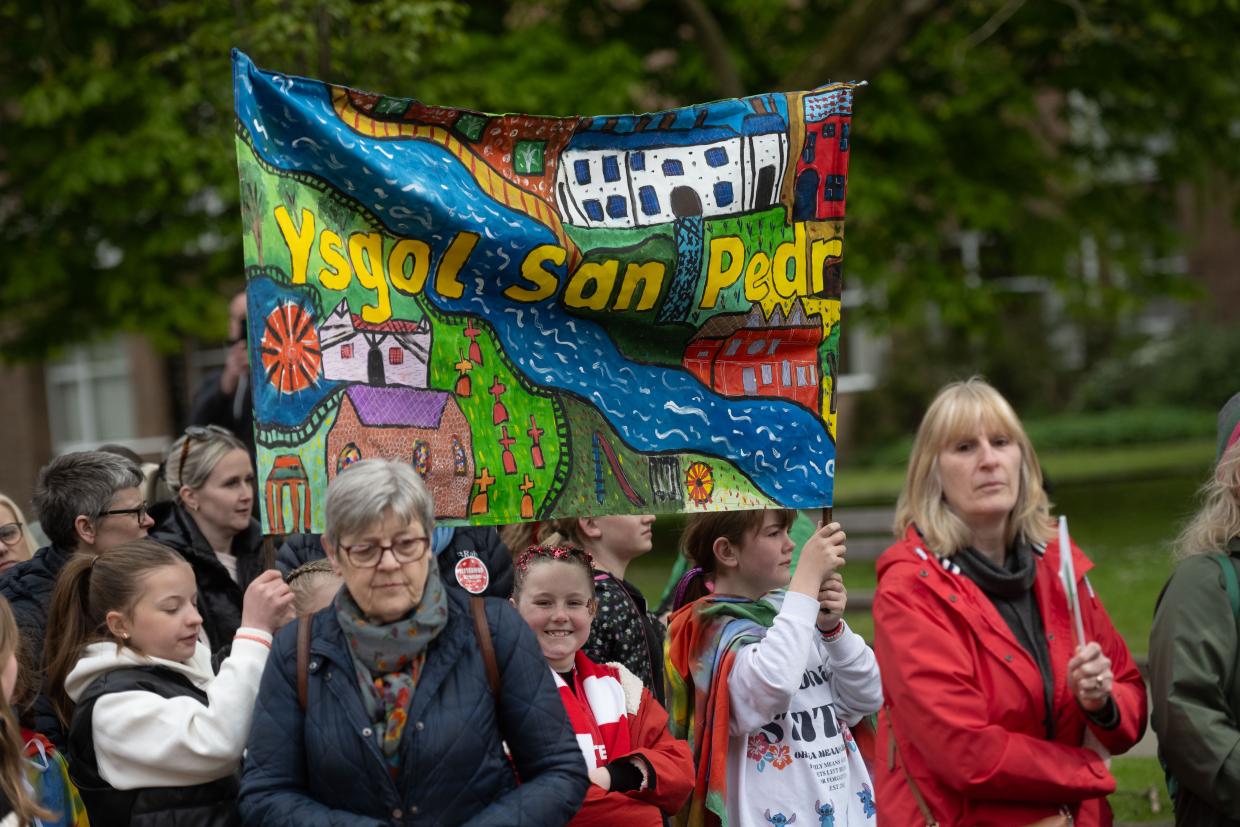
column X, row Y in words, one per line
column 1195, row 649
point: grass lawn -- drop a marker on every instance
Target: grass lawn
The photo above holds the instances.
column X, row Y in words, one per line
column 1136, row 779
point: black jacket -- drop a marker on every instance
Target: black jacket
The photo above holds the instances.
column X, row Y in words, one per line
column 322, row 766
column 219, row 596
column 213, row 804
column 481, row 542
column 234, row 411
column 28, row 588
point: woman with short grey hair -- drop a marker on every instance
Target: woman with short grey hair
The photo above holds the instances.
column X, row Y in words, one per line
column 389, row 715
column 210, row 523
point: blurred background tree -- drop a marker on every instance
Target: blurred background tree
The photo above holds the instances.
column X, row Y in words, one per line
column 997, row 139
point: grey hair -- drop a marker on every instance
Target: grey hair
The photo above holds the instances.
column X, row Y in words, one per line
column 360, row 495
column 83, row 482
column 207, row 446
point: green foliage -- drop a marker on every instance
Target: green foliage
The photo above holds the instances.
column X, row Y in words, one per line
column 1196, row 367
column 119, row 199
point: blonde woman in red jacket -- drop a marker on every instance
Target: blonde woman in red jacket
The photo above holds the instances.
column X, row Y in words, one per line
column 993, row 714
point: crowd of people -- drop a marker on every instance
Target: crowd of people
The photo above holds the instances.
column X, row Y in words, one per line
column 164, row 663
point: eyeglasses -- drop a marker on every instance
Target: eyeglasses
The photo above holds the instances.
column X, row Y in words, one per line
column 140, row 511
column 10, row 533
column 368, row 555
column 199, row 432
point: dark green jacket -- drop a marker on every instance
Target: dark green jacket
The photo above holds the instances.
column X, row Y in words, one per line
column 1196, row 693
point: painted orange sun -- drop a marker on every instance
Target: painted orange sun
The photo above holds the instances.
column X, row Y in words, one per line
column 290, row 349
column 700, row 481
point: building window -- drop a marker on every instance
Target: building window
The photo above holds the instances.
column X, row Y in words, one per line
column 349, row 454
column 459, row 463
column 582, row 170
column 802, row 379
column 617, row 207
column 767, row 374
column 396, row 356
column 807, row 154
column 673, row 167
column 785, row 373
column 90, row 397
column 755, row 347
column 637, row 161
column 733, row 346
column 844, row 139
column 749, row 381
column 649, row 199
column 833, row 188
column 770, row 351
column 422, row 458
column 716, row 156
column 611, row 168
column 828, row 129
column 346, row 351
column 723, row 193
column 594, row 210
column 703, row 354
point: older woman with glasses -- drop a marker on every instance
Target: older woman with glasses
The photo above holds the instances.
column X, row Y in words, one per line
column 210, row 523
column 387, row 715
column 15, row 543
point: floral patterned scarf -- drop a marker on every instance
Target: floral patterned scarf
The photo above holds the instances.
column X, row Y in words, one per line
column 388, row 659
column 703, row 640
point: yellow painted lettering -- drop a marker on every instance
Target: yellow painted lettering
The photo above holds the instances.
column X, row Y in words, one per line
column 366, row 254
column 820, row 251
column 409, row 249
column 298, row 242
column 534, row 270
column 650, row 276
column 600, row 277
column 723, row 268
column 447, row 283
column 757, row 277
column 335, row 274
column 793, row 252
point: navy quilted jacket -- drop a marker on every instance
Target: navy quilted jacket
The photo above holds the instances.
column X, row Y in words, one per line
column 324, row 767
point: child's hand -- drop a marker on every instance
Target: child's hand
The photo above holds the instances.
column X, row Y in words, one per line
column 832, row 600
column 601, row 777
column 268, row 602
column 822, row 556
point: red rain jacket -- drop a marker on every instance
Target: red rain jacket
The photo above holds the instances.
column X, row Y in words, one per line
column 966, row 703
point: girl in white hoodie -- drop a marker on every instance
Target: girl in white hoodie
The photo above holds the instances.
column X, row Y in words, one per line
column 155, row 736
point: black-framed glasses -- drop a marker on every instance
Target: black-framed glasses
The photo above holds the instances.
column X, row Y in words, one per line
column 368, row 555
column 139, row 511
column 202, row 433
column 10, row 533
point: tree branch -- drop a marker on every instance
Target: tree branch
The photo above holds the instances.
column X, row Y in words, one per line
column 714, row 47
column 861, row 41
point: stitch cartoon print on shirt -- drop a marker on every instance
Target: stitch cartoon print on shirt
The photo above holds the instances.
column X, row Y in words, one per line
column 779, row 819
column 826, row 813
column 849, row 741
column 867, row 800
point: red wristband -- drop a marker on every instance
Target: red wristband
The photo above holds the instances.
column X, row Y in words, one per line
column 834, row 634
column 255, row 638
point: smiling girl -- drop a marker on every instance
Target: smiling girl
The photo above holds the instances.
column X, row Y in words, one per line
column 637, row 770
column 764, row 682
column 152, row 728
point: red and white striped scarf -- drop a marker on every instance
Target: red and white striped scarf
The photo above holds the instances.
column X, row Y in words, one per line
column 597, row 711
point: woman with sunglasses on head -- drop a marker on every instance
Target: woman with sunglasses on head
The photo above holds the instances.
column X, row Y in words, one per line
column 392, row 718
column 15, row 543
column 210, row 524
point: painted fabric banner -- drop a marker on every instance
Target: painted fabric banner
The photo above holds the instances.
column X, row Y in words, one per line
column 545, row 316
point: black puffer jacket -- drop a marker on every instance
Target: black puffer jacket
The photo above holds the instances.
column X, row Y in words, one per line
column 219, row 596
column 28, row 588
column 481, row 542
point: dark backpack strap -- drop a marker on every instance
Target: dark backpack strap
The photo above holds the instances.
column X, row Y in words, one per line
column 1230, row 583
column 483, row 630
column 304, row 623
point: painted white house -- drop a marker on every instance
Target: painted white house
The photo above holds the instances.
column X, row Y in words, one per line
column 392, row 353
column 654, row 174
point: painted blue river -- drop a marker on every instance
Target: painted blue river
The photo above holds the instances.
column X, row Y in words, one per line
column 782, row 448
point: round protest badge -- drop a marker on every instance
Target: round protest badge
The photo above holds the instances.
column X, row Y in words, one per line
column 472, row 574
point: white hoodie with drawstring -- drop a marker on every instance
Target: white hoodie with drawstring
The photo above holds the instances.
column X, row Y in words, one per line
column 145, row 740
